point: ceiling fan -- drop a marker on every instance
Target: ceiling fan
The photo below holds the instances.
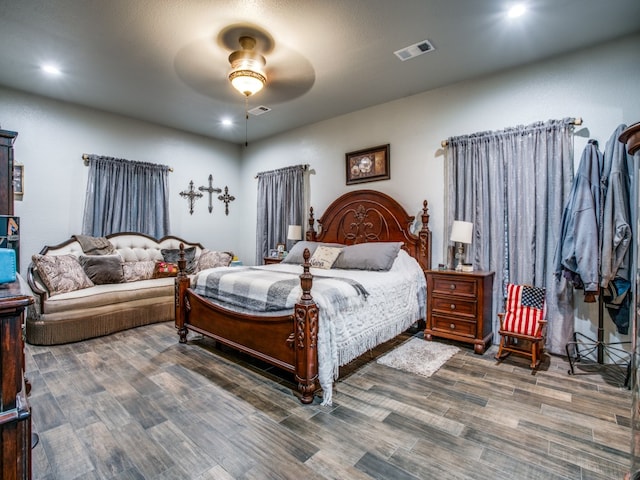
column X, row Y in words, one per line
column 207, row 65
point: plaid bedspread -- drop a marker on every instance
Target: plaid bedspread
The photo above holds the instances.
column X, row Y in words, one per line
column 261, row 290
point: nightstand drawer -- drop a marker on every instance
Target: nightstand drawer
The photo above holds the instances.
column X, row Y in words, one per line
column 454, row 286
column 453, row 306
column 456, row 326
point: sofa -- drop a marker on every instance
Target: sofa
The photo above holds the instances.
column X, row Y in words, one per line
column 88, row 287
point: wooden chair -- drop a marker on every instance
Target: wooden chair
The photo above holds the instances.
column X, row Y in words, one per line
column 523, row 325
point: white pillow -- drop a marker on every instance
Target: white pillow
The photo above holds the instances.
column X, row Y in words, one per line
column 324, row 257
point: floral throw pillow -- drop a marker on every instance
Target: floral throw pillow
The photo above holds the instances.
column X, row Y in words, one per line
column 212, row 259
column 61, row 273
column 142, row 270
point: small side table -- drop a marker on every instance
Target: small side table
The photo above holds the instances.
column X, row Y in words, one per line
column 272, row 260
column 459, row 307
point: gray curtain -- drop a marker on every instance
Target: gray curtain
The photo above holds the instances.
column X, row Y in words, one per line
column 513, row 185
column 126, row 196
column 280, row 204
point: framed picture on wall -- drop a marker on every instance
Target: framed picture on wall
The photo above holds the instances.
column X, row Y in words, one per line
column 368, row 165
column 18, row 179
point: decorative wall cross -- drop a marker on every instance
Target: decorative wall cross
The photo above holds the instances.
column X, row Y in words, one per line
column 191, row 195
column 210, row 190
column 226, row 198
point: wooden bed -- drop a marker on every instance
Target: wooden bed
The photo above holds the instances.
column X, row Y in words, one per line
column 289, row 341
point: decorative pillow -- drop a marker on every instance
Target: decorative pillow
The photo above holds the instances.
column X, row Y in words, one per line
column 95, row 245
column 377, row 256
column 172, row 255
column 102, row 269
column 212, row 259
column 165, row 269
column 134, row 271
column 324, row 256
column 295, row 254
column 61, row 273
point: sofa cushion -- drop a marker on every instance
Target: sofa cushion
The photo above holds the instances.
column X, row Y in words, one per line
column 172, row 255
column 108, row 294
column 213, row 259
column 61, row 273
column 136, row 271
column 103, row 269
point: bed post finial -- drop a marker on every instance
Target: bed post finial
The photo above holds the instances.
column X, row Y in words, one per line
column 182, row 262
column 425, row 216
column 311, row 232
column 425, row 239
column 306, row 335
column 182, row 283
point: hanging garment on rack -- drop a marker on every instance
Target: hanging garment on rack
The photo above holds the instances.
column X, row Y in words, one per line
column 616, row 237
column 616, row 231
column 617, row 299
column 578, row 250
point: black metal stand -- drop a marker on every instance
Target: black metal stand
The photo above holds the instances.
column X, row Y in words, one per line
column 584, row 346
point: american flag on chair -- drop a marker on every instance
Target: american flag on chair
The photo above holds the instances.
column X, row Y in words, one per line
column 524, row 308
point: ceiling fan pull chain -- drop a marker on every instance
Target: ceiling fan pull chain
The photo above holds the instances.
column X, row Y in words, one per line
column 246, row 121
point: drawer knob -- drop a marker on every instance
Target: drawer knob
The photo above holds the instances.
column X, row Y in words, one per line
column 453, row 306
column 452, row 326
column 452, row 286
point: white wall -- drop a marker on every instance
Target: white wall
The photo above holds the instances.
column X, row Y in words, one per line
column 52, row 136
column 600, row 85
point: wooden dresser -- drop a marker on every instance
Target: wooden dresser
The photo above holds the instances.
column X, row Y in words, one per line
column 15, row 413
column 459, row 307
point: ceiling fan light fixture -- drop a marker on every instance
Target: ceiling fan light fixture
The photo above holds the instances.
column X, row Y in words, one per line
column 247, row 68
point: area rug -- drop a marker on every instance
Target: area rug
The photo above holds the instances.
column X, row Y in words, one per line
column 419, row 356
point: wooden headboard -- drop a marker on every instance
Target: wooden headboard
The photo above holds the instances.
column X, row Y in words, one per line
column 371, row 216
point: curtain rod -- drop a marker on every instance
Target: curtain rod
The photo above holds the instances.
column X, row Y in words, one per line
column 575, row 121
column 85, row 158
column 304, row 166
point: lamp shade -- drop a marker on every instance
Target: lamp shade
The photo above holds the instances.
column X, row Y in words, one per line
column 461, row 232
column 247, row 68
column 294, row 232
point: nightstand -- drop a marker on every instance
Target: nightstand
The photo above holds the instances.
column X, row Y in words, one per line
column 459, row 307
column 270, row 260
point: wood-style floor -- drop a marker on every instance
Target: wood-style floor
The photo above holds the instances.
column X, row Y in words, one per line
column 138, row 405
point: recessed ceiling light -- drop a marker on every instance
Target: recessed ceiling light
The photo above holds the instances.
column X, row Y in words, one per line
column 517, row 11
column 227, row 122
column 51, row 69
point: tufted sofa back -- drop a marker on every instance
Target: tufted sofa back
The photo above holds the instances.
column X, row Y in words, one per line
column 132, row 247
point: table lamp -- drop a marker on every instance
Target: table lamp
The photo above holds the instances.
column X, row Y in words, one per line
column 294, row 233
column 461, row 233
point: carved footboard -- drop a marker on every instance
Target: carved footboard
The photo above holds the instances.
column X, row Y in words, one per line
column 288, row 342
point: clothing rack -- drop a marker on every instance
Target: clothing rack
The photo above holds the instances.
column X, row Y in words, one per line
column 584, row 346
column 575, row 121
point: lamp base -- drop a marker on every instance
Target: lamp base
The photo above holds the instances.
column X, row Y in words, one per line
column 459, row 256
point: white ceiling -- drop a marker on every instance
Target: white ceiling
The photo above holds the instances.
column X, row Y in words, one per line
column 165, row 61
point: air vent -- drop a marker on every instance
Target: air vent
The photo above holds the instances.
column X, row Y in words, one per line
column 259, row 110
column 414, row 50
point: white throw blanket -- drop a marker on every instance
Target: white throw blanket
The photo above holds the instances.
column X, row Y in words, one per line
column 357, row 323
